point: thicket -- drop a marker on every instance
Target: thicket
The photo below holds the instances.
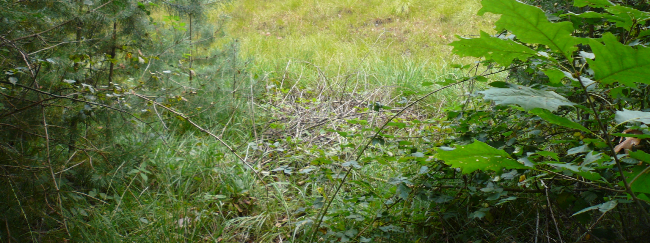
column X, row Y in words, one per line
column 121, row 121
column 89, row 92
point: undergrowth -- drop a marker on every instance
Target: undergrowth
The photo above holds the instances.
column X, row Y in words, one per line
column 305, row 121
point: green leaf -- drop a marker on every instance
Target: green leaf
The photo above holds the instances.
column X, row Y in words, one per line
column 640, row 155
column 592, row 3
column 478, row 156
column 603, row 207
column 627, row 17
column 558, row 120
column 616, row 62
column 548, row 154
column 589, row 175
column 630, row 135
column 530, row 25
column 579, row 149
column 628, row 116
column 481, row 79
column 396, row 124
column 501, row 51
column 352, row 163
column 639, row 179
column 403, row 191
column 554, row 75
column 526, row 97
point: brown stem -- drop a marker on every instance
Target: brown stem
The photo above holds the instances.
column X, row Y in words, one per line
column 110, row 71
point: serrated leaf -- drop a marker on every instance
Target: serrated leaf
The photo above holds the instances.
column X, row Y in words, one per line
column 501, row 51
column 530, row 25
column 478, row 156
column 616, row 62
column 626, row 17
column 558, row 120
column 554, row 75
column 632, row 116
column 528, row 98
column 592, row 157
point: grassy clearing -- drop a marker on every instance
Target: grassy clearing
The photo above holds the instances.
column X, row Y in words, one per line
column 321, row 65
column 378, row 42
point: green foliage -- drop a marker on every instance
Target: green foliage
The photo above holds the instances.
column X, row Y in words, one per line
column 502, row 51
column 76, row 144
column 552, row 66
column 620, row 63
column 530, row 26
column 478, row 155
column 558, row 120
column 528, row 98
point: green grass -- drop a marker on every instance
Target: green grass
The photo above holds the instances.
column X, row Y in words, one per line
column 352, row 47
column 382, row 42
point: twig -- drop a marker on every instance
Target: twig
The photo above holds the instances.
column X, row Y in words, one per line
column 537, row 226
column 49, row 163
column 161, row 119
column 550, row 209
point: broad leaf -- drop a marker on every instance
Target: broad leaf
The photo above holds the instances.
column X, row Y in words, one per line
column 640, row 155
column 639, row 179
column 526, row 97
column 501, row 51
column 579, row 149
column 632, row 116
column 627, row 17
column 592, row 3
column 530, row 25
column 557, row 120
column 554, row 75
column 603, row 207
column 616, row 62
column 478, row 156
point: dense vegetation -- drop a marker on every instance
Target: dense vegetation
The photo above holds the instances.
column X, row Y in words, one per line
column 274, row 121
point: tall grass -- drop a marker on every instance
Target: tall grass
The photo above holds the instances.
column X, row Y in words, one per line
column 188, row 188
column 398, row 42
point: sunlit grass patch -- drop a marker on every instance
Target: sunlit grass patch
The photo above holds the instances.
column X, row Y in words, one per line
column 344, row 36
